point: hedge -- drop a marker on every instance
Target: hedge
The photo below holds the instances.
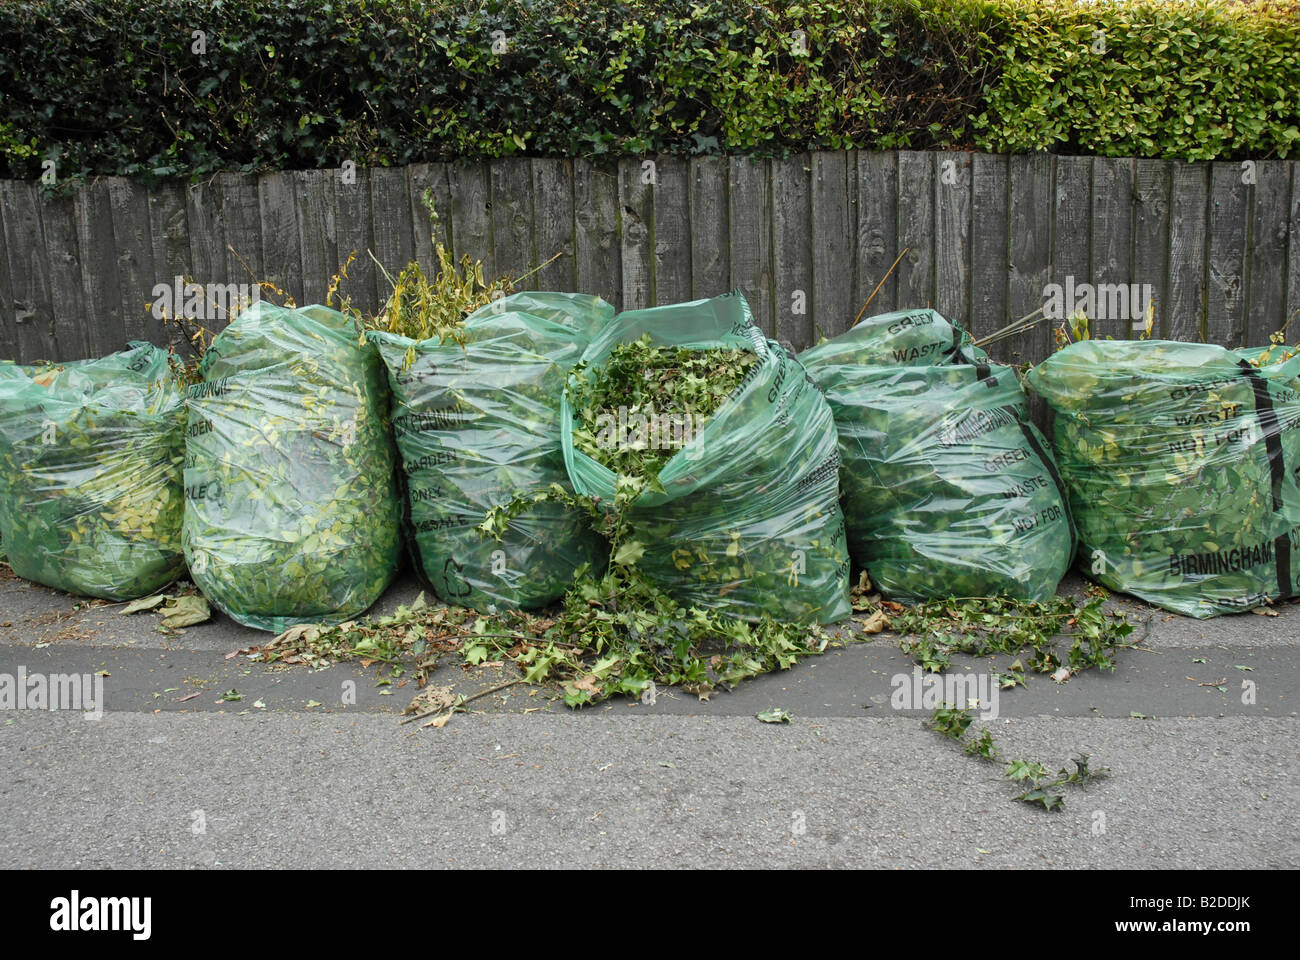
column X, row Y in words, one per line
column 132, row 87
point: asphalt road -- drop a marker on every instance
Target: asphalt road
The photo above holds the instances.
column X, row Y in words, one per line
column 205, row 758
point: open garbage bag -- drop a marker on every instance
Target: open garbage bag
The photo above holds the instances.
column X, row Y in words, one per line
column 292, row 513
column 90, row 473
column 749, row 519
column 1180, row 460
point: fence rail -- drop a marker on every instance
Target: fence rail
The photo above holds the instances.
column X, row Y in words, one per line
column 807, row 238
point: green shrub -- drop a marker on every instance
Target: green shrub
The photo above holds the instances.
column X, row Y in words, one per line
column 118, row 87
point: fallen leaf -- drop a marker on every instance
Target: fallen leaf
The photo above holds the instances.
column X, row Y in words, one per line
column 876, row 622
column 186, row 612
column 774, row 715
column 306, row 632
column 430, row 698
column 146, row 603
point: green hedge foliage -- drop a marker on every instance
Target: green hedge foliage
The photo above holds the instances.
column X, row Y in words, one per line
column 128, row 87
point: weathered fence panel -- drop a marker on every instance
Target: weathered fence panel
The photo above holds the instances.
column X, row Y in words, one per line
column 807, row 238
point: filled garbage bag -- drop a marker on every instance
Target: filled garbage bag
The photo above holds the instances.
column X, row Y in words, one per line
column 948, row 489
column 1180, row 461
column 292, row 513
column 478, row 422
column 748, row 518
column 90, row 473
column 921, row 337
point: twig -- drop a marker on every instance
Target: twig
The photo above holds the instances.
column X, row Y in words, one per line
column 536, row 268
column 481, row 693
column 1019, row 326
column 879, row 285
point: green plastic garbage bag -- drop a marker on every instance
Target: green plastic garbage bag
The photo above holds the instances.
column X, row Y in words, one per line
column 948, row 489
column 291, row 507
column 749, row 519
column 911, row 337
column 476, row 425
column 90, row 473
column 1180, row 460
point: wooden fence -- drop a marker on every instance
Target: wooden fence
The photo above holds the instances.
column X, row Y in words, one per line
column 807, row 238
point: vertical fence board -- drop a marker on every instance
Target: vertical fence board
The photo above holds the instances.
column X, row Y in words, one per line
column 100, row 286
column 952, row 240
column 1151, row 237
column 129, row 203
column 356, row 238
column 1030, row 252
column 8, row 329
column 241, row 224
column 72, row 324
column 990, row 261
column 1112, row 246
column 281, row 247
column 1225, row 314
column 709, row 234
column 915, row 229
column 1266, row 292
column 1293, row 245
column 553, row 224
column 749, row 223
column 169, row 228
column 394, row 237
column 877, row 233
column 471, row 214
column 424, row 230
column 317, row 231
column 512, row 220
column 637, row 217
column 1187, row 252
column 833, row 234
column 672, row 230
column 792, row 269
column 1071, row 230
column 596, row 237
column 207, row 233
column 29, row 274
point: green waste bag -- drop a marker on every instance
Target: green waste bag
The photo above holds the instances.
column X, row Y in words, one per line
column 1180, row 461
column 912, row 337
column 90, row 473
column 948, row 489
column 476, row 425
column 291, row 507
column 749, row 520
